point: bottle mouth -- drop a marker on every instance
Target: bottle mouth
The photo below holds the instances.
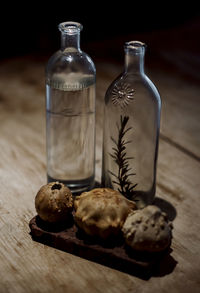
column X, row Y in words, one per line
column 70, row 27
column 136, row 47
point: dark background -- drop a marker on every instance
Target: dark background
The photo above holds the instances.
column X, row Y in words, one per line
column 31, row 27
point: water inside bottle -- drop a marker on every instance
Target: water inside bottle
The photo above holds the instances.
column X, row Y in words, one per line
column 70, row 128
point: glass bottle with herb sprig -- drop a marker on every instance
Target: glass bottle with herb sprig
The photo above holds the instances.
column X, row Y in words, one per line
column 131, row 130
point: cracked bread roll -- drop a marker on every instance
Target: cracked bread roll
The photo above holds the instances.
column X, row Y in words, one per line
column 102, row 211
column 148, row 230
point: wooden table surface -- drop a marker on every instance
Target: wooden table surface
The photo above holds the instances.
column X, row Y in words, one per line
column 28, row 266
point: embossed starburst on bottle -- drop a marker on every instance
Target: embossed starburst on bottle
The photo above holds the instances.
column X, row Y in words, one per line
column 122, row 95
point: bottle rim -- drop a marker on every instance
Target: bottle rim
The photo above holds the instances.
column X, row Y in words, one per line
column 70, row 27
column 135, row 46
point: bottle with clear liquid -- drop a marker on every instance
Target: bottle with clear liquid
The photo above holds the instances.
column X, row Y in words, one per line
column 70, row 113
column 131, row 130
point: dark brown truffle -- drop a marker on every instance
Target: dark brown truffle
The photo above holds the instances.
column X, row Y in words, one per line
column 54, row 202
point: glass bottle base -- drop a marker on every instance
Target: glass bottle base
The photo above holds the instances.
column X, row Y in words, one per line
column 144, row 198
column 76, row 186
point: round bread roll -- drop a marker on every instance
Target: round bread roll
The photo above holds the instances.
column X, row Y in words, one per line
column 147, row 230
column 102, row 211
column 54, row 202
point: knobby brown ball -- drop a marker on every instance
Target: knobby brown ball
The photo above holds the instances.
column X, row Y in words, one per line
column 54, row 202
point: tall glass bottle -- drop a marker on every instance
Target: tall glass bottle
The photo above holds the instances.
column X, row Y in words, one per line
column 131, row 130
column 70, row 113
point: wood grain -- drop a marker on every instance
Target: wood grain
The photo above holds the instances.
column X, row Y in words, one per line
column 28, row 266
column 179, row 99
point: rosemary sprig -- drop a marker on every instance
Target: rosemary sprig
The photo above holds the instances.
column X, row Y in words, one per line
column 122, row 178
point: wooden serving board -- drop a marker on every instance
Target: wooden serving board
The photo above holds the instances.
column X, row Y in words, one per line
column 114, row 254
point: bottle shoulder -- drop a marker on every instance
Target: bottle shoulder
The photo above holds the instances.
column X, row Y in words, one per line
column 70, row 70
column 129, row 85
column 153, row 91
column 70, row 61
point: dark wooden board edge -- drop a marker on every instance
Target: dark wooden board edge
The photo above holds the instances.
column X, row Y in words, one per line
column 119, row 257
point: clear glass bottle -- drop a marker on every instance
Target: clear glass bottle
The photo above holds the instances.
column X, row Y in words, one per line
column 131, row 130
column 70, row 113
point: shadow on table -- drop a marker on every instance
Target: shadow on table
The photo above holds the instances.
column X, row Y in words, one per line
column 165, row 266
column 166, row 207
column 168, row 263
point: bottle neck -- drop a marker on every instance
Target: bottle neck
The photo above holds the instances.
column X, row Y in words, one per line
column 134, row 57
column 70, row 35
column 134, row 63
column 70, row 41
